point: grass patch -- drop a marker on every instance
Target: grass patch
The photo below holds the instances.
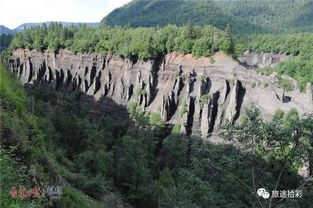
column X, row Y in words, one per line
column 285, row 84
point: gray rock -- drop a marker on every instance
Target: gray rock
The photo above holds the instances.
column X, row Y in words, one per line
column 168, row 84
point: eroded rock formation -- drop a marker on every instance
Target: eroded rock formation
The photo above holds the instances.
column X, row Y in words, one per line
column 199, row 94
column 252, row 59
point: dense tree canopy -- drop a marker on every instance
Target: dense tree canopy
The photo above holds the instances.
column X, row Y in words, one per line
column 143, row 43
column 253, row 16
column 149, row 43
column 5, row 41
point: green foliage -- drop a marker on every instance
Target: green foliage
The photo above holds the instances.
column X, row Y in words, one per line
column 243, row 119
column 72, row 198
column 244, row 16
column 166, row 179
column 291, row 116
column 203, row 100
column 202, row 47
column 173, row 153
column 284, row 84
column 11, row 95
column 156, row 120
column 143, row 43
column 227, row 44
column 132, row 109
column 17, row 125
column 278, row 115
column 32, row 136
column 5, row 41
column 13, row 174
column 283, row 145
column 176, row 129
column 297, row 46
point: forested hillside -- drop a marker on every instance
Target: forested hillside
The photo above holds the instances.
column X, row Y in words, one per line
column 4, row 30
column 26, row 26
column 25, row 160
column 254, row 16
column 149, row 43
column 143, row 43
column 5, row 41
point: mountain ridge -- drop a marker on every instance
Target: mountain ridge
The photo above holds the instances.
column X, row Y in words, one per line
column 24, row 26
column 244, row 16
column 5, row 30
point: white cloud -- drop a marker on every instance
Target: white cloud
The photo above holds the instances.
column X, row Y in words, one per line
column 16, row 12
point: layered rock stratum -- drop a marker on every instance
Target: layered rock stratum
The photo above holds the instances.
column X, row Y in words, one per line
column 199, row 94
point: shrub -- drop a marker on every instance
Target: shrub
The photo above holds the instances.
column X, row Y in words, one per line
column 141, row 91
column 203, row 100
column 285, row 84
column 291, row 116
column 278, row 115
column 73, row 198
column 156, row 120
column 132, row 108
column 176, row 129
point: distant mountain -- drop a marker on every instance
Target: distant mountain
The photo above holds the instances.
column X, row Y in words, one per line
column 5, row 30
column 244, row 16
column 65, row 24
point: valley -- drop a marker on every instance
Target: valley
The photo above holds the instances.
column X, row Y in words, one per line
column 186, row 104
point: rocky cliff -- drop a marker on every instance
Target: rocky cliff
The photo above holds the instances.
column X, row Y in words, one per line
column 200, row 94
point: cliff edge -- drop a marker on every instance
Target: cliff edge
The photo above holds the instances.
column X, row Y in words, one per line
column 199, row 94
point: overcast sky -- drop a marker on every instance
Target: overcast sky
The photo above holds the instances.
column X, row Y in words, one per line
column 16, row 12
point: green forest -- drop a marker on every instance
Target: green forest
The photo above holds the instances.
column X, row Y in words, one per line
column 147, row 164
column 149, row 43
column 253, row 16
column 5, row 41
column 55, row 137
column 298, row 46
column 144, row 43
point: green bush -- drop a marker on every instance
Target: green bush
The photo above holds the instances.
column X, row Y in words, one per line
column 72, row 198
column 278, row 115
column 156, row 120
column 285, row 84
column 204, row 99
column 143, row 43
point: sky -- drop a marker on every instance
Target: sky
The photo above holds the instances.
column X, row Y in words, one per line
column 16, row 12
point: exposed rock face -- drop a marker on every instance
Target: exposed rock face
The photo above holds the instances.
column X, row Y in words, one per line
column 255, row 60
column 196, row 93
